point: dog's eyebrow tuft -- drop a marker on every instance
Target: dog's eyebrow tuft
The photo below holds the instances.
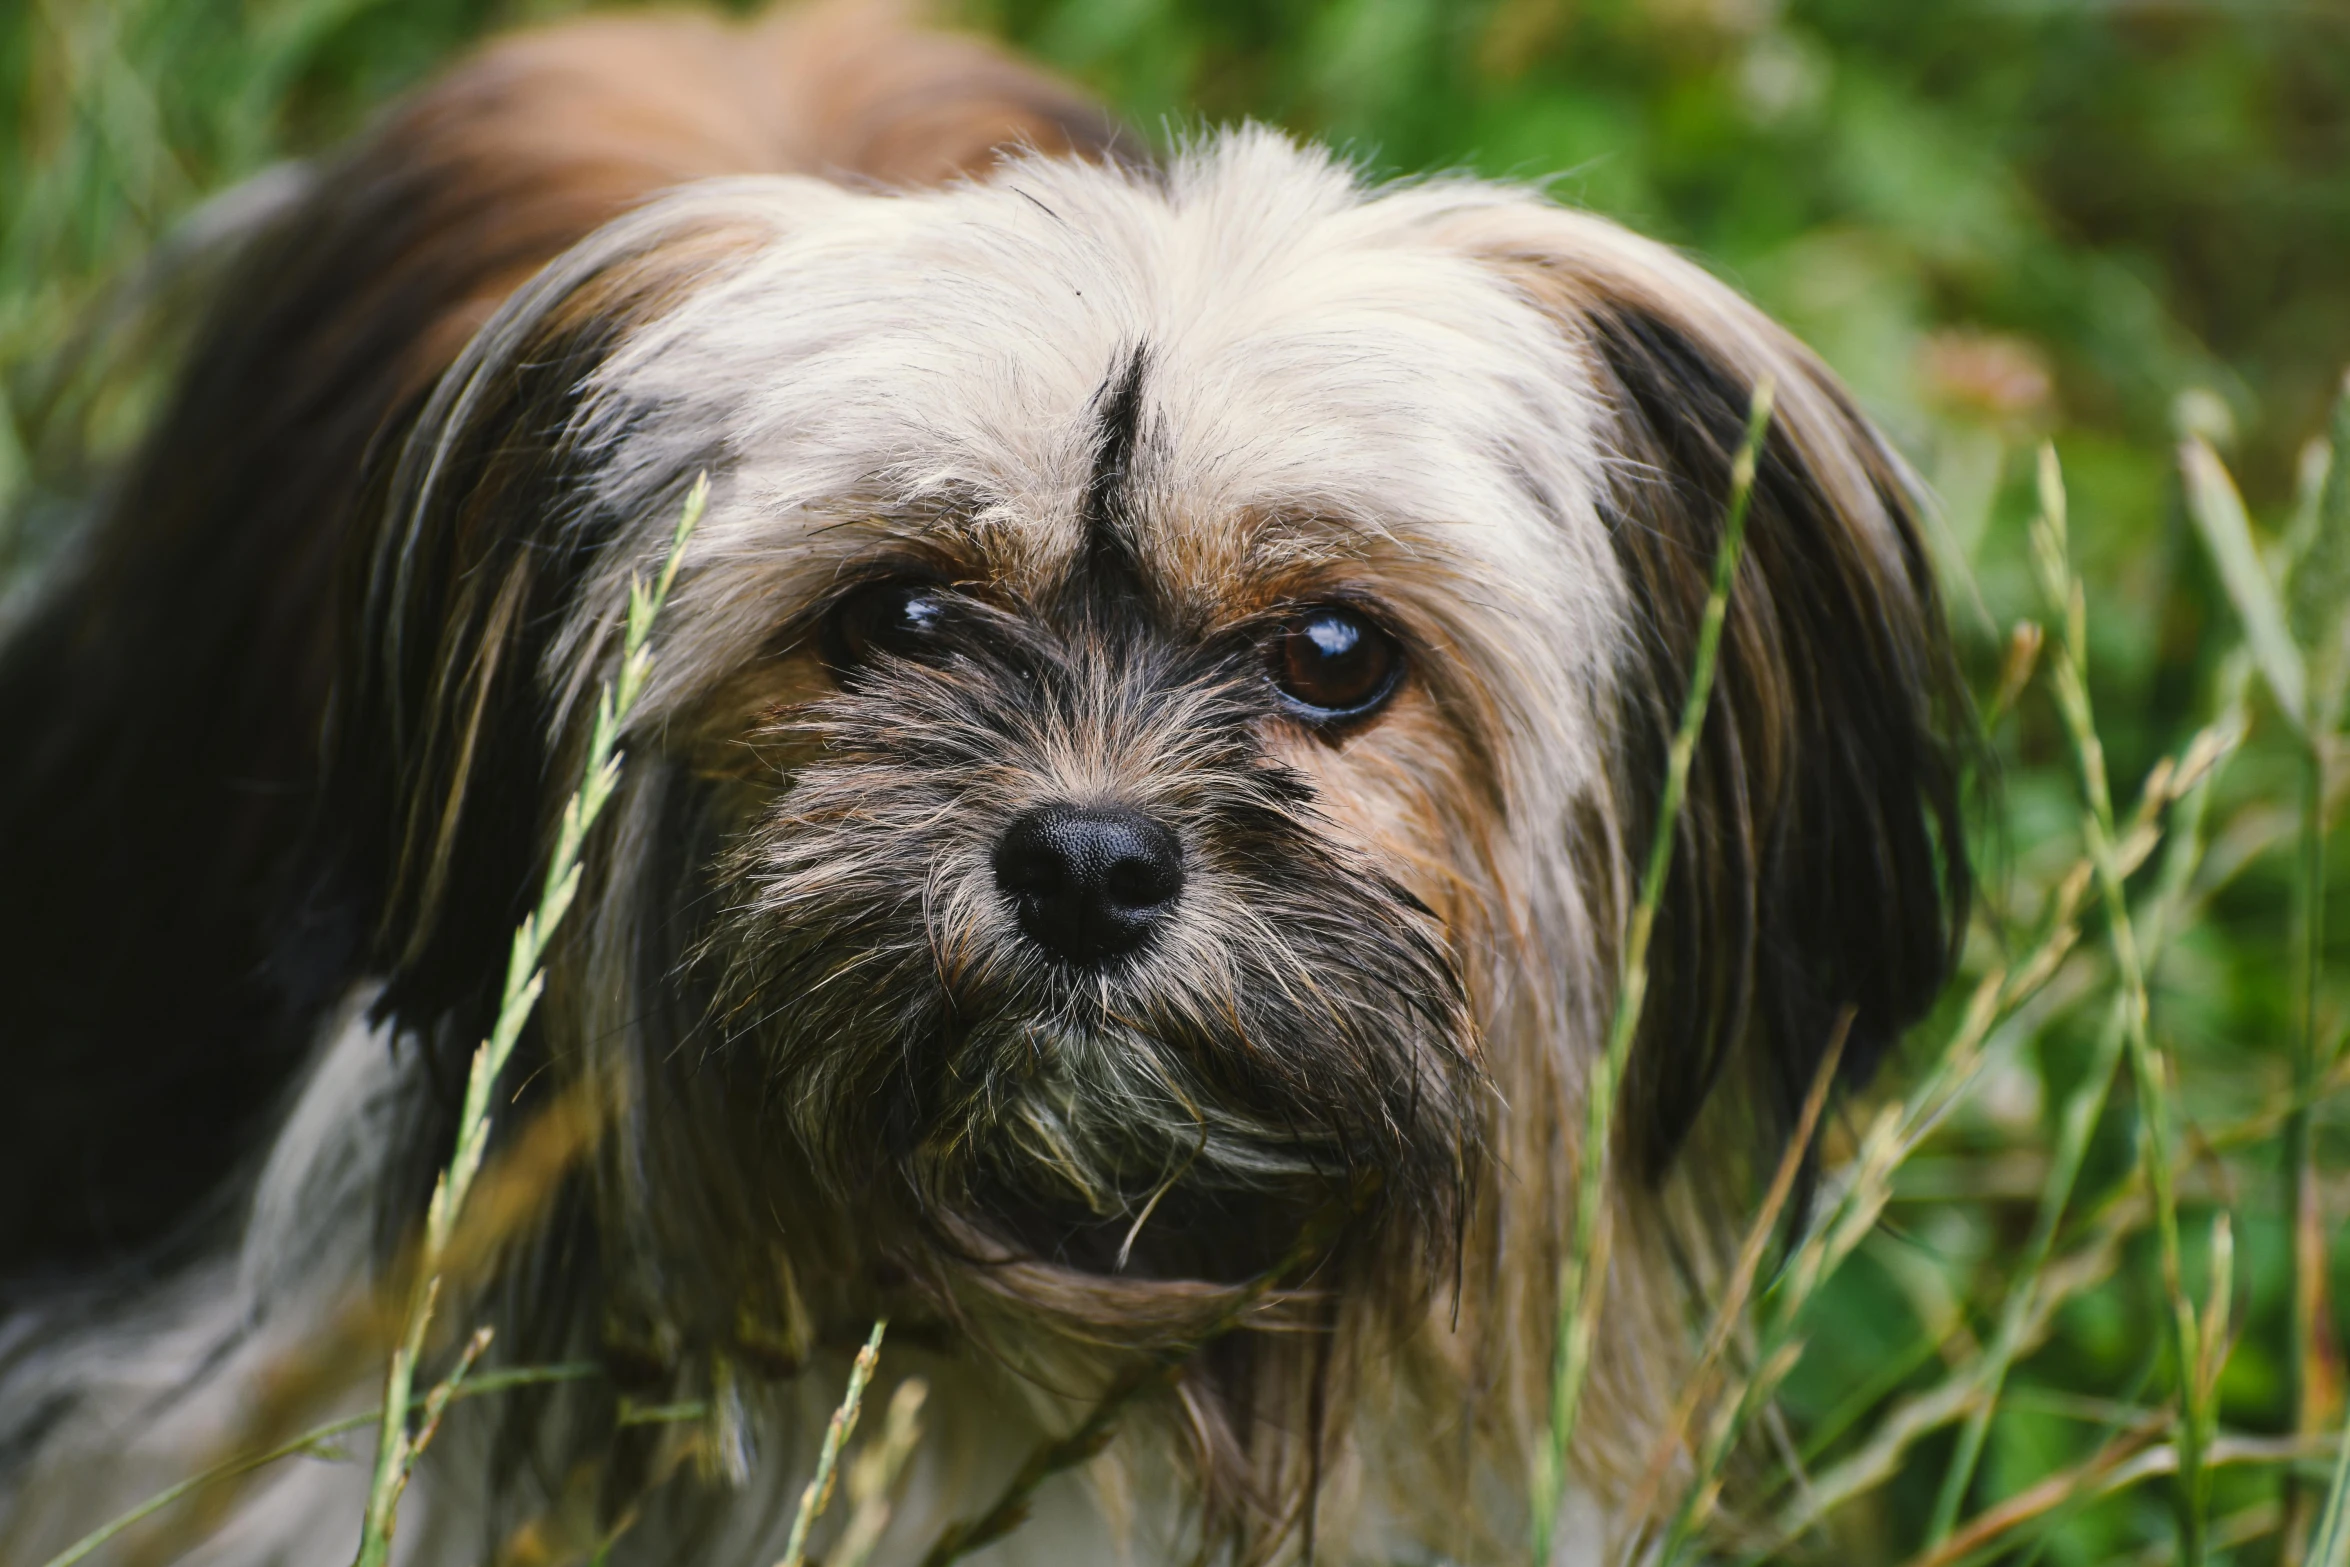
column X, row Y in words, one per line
column 1120, row 421
column 1106, row 561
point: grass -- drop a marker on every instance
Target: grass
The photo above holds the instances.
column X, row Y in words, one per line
column 397, row 1445
column 1583, row 1272
column 317, row 1442
column 2070, row 1291
column 843, row 1425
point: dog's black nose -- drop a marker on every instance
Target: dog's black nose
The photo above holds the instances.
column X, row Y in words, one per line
column 1088, row 882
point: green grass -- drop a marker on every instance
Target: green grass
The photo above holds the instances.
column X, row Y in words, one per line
column 2004, row 222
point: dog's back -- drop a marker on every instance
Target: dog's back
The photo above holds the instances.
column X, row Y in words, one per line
column 171, row 926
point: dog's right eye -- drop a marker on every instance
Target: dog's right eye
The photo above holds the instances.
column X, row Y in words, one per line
column 892, row 619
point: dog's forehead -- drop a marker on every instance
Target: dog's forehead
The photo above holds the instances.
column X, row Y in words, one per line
column 1274, row 371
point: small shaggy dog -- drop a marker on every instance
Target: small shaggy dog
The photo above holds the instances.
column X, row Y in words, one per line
column 1142, row 787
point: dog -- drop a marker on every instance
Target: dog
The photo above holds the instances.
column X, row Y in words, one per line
column 1123, row 857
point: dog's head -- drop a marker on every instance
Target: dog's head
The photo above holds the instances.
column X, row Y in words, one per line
column 1152, row 738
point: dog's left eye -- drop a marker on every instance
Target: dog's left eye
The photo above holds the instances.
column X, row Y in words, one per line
column 899, row 619
column 1335, row 663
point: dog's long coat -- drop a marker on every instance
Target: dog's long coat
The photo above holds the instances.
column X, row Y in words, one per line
column 290, row 725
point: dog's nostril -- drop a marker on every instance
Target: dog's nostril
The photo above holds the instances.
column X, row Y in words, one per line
column 1088, row 882
column 1144, row 881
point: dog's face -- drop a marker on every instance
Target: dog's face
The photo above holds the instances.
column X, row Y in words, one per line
column 1044, row 913
column 1128, row 702
column 1146, row 745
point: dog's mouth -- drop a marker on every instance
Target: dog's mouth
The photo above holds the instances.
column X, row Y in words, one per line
column 1180, row 1233
column 1094, row 1150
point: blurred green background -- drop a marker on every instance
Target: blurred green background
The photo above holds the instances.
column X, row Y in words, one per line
column 2026, row 214
column 2101, row 222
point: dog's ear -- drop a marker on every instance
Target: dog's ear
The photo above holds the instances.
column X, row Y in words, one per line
column 448, row 732
column 1819, row 862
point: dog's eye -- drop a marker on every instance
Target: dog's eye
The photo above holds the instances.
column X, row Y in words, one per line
column 1335, row 663
column 898, row 619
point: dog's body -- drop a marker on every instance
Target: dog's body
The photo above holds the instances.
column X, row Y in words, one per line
column 1139, row 788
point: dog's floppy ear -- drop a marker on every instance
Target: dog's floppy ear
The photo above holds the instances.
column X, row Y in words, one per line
column 445, row 752
column 1819, row 863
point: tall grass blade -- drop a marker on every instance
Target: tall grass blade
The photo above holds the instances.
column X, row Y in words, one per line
column 2318, row 593
column 843, row 1424
column 2331, row 1548
column 2035, row 1287
column 2149, row 1068
column 1848, row 1222
column 1732, row 1308
column 2127, row 1031
column 1580, row 1284
column 875, row 1474
column 313, row 1443
column 2320, row 601
column 2305, row 1330
column 2227, row 532
column 396, row 1448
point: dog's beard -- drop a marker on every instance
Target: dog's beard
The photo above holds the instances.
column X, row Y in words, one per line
column 1293, row 1040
